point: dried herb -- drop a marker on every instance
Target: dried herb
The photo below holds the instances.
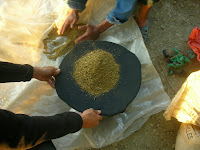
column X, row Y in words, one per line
column 96, row 72
column 56, row 48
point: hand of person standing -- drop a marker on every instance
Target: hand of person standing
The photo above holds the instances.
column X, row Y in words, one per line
column 70, row 21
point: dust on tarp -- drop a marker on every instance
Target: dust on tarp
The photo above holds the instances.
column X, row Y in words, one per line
column 56, row 45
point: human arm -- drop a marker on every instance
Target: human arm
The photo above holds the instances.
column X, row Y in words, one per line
column 23, row 131
column 10, row 72
column 76, row 6
column 20, row 131
column 119, row 15
column 70, row 21
column 93, row 32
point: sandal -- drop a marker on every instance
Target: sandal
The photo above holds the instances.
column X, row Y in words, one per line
column 144, row 30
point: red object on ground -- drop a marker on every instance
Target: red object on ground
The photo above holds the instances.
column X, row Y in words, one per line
column 194, row 41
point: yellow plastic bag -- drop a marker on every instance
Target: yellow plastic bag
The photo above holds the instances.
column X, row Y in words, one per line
column 185, row 106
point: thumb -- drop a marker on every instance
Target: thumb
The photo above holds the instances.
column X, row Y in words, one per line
column 97, row 111
column 81, row 38
column 56, row 71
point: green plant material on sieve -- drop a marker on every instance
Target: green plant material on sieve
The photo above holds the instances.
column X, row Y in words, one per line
column 96, row 72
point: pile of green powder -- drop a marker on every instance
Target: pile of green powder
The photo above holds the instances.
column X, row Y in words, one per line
column 96, row 72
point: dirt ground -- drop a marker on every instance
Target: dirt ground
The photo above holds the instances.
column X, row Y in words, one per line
column 171, row 22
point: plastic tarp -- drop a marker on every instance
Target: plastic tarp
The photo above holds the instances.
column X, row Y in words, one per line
column 23, row 26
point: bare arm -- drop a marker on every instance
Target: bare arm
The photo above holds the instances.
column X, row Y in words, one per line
column 92, row 32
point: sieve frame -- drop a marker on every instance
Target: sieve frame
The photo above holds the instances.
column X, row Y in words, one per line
column 112, row 102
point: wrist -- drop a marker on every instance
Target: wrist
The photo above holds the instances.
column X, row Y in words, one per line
column 35, row 72
column 75, row 11
column 103, row 26
column 82, row 120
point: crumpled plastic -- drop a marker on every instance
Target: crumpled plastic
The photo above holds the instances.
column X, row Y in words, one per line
column 185, row 106
column 23, row 26
column 194, row 41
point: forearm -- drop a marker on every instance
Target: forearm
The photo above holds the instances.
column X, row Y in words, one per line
column 103, row 26
column 10, row 72
column 22, row 131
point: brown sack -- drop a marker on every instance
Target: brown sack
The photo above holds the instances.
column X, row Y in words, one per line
column 188, row 137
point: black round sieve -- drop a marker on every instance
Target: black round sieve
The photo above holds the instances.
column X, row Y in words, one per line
column 117, row 99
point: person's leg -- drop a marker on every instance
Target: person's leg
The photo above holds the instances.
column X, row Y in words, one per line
column 142, row 16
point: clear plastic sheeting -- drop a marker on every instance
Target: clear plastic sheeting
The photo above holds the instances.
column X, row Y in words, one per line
column 23, row 26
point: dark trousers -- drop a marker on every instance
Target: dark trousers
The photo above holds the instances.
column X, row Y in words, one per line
column 44, row 146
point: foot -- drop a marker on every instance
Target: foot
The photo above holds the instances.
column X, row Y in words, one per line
column 143, row 25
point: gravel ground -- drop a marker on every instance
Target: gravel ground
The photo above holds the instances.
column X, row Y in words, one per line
column 171, row 22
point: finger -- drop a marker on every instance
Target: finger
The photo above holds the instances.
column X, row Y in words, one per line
column 82, row 38
column 51, row 83
column 73, row 23
column 83, row 27
column 56, row 71
column 65, row 25
column 97, row 111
